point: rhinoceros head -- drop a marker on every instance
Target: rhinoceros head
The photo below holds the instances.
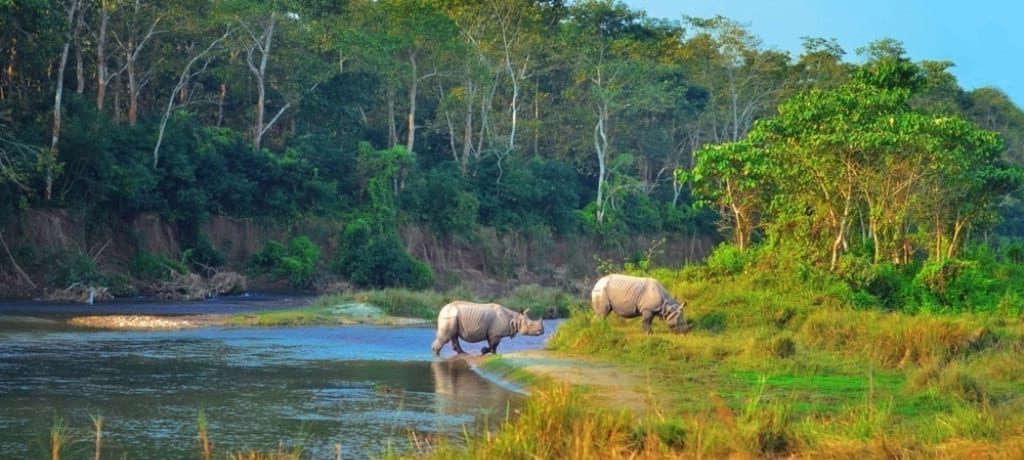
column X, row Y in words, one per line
column 675, row 317
column 528, row 326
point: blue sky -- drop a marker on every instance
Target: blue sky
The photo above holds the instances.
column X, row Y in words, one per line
column 983, row 38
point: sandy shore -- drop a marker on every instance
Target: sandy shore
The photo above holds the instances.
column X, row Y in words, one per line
column 148, row 322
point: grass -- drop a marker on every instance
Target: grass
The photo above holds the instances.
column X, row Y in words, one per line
column 776, row 368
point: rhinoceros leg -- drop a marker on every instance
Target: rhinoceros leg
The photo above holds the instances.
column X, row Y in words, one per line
column 492, row 346
column 457, row 346
column 648, row 317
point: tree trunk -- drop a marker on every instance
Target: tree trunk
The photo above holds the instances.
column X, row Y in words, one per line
column 220, row 103
column 601, row 148
column 410, row 135
column 79, row 64
column 133, row 85
column 57, row 99
column 133, row 49
column 467, row 126
column 263, row 44
column 389, row 95
column 102, row 79
column 954, row 243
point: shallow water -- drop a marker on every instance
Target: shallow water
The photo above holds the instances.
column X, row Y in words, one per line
column 363, row 387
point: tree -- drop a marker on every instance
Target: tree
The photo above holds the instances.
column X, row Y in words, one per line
column 739, row 177
column 194, row 67
column 607, row 78
column 861, row 148
column 51, row 155
column 743, row 81
column 138, row 29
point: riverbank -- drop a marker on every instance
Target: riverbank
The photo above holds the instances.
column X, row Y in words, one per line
column 345, row 314
column 613, row 385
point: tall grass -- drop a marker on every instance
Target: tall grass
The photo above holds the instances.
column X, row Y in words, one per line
column 837, row 381
column 97, row 425
column 60, row 437
column 205, row 446
column 560, row 422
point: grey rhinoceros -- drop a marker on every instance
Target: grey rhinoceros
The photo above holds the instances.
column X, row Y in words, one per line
column 474, row 322
column 630, row 296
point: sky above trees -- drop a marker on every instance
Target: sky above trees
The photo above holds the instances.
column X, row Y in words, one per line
column 982, row 37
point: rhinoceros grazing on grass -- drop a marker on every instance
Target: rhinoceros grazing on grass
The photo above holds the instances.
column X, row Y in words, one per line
column 474, row 322
column 630, row 296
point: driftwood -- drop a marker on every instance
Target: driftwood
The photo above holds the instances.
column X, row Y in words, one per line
column 79, row 292
column 191, row 286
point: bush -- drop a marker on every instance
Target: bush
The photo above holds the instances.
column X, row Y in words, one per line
column 726, row 260
column 297, row 263
column 74, row 267
column 377, row 259
column 541, row 301
column 954, row 285
column 713, row 322
column 203, row 258
column 151, row 267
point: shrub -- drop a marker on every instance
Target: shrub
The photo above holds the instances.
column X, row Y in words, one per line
column 74, row 267
column 371, row 258
column 887, row 283
column 152, row 267
column 542, row 301
column 203, row 258
column 713, row 322
column 297, row 263
column 726, row 260
column 954, row 285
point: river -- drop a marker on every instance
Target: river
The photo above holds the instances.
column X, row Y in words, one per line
column 363, row 388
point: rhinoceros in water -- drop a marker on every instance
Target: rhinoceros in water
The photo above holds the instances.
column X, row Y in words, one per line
column 474, row 322
column 630, row 296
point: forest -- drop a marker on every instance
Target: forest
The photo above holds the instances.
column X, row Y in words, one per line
column 546, row 118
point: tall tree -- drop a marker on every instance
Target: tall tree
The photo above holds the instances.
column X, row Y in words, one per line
column 51, row 155
column 140, row 21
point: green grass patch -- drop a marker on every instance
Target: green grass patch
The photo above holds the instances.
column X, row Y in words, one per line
column 775, row 367
column 499, row 367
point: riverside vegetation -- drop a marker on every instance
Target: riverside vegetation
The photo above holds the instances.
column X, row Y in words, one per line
column 783, row 363
column 783, row 360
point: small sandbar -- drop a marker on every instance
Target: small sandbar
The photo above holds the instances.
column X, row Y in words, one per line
column 146, row 322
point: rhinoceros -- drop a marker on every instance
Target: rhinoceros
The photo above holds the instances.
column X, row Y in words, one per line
column 474, row 322
column 630, row 296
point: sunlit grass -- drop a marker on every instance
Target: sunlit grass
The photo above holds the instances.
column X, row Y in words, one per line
column 779, row 368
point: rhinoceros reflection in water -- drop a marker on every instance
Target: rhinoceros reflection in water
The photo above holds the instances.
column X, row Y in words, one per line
column 458, row 391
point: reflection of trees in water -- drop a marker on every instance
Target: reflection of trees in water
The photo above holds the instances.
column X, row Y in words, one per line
column 458, row 391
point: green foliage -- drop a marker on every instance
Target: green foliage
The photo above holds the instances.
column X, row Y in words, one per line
column 400, row 302
column 726, row 259
column 74, row 267
column 518, row 194
column 441, row 197
column 202, row 258
column 152, row 267
column 541, row 301
column 372, row 259
column 297, row 262
column 954, row 285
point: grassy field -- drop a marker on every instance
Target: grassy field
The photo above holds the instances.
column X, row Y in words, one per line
column 775, row 368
